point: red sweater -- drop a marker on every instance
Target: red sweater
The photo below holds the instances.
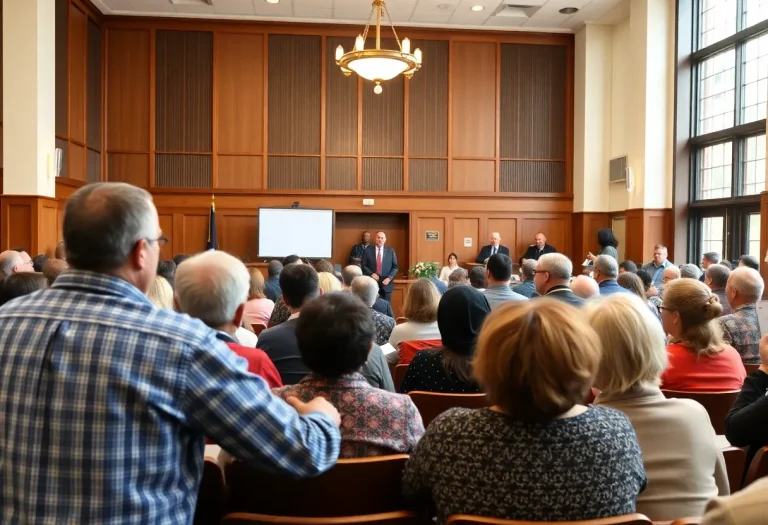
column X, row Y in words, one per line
column 258, row 363
column 691, row 373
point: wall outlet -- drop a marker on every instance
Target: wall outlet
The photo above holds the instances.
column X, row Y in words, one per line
column 367, row 202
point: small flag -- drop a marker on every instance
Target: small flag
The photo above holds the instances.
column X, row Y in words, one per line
column 211, row 245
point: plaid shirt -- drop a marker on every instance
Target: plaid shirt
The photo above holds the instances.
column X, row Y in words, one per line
column 105, row 399
column 742, row 331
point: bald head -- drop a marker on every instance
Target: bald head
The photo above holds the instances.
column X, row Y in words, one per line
column 744, row 286
column 12, row 262
column 366, row 288
column 585, row 287
column 495, row 239
column 349, row 273
column 53, row 268
column 671, row 273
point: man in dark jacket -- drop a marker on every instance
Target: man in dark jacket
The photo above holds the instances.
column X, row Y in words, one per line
column 553, row 273
column 527, row 287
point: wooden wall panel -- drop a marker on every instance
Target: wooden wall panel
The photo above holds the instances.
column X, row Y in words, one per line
column 427, row 175
column 428, row 102
column 473, row 101
column 166, row 226
column 507, row 228
column 183, row 171
column 430, row 251
column 532, row 176
column 584, row 227
column 383, row 116
column 93, row 165
column 62, row 66
column 349, row 227
column 295, row 173
column 77, row 66
column 76, row 162
column 47, row 234
column 18, row 228
column 532, row 102
column 294, row 81
column 93, row 79
column 472, row 175
column 382, row 174
column 240, row 172
column 128, row 90
column 240, row 93
column 194, row 230
column 340, row 173
column 132, row 168
column 340, row 103
column 554, row 229
column 184, row 91
column 463, row 228
column 239, row 236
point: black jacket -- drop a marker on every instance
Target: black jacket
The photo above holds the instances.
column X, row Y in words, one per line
column 533, row 252
column 747, row 421
column 485, row 253
column 564, row 293
column 526, row 288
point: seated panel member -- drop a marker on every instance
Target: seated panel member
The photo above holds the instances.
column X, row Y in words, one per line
column 538, row 248
column 492, row 249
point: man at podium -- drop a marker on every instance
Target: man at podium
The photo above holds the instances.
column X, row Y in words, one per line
column 492, row 249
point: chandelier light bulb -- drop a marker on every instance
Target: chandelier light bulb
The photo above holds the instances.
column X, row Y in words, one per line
column 406, row 46
column 359, row 43
column 377, row 89
column 339, row 52
column 417, row 54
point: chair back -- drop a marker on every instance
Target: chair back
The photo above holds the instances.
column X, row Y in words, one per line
column 751, row 368
column 717, row 404
column 735, row 463
column 629, row 519
column 401, row 320
column 687, row 521
column 408, row 349
column 758, row 468
column 211, row 499
column 432, row 404
column 388, row 518
column 400, row 371
column 258, row 328
column 352, row 487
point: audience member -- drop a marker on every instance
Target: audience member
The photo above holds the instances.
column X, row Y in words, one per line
column 656, row 267
column 38, row 261
column 167, row 270
column 272, row 284
column 448, row 369
column 348, row 275
column 160, row 293
column 12, row 262
column 53, row 269
column 699, row 360
column 180, row 258
column 716, row 277
column 420, row 310
column 258, row 309
column 675, row 435
column 608, row 243
column 281, row 313
column 707, row 260
column 553, row 276
column 750, row 261
column 299, row 284
column 498, row 272
column 213, row 286
column 328, row 282
column 60, row 253
column 690, row 271
column 585, row 287
column 440, row 285
column 324, row 265
column 727, row 264
column 627, row 266
column 671, row 273
column 477, row 278
column 651, row 293
column 527, row 288
column 537, row 454
column 606, row 271
column 458, row 277
column 335, row 334
column 160, row 381
column 20, row 284
column 741, row 328
column 367, row 290
column 453, row 264
column 634, row 284
column 746, row 507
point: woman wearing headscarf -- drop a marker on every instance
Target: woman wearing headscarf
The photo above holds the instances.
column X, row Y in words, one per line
column 448, row 369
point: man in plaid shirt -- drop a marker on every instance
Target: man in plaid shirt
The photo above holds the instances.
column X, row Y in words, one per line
column 741, row 329
column 105, row 399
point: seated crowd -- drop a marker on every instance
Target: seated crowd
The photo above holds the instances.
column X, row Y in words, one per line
column 117, row 367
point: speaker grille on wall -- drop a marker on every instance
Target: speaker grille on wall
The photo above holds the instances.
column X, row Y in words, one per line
column 617, row 169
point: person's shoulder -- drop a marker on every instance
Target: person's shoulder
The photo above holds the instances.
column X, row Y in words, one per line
column 609, row 415
column 745, row 506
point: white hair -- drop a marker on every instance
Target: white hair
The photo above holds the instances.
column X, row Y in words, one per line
column 690, row 271
column 211, row 286
column 747, row 282
column 607, row 266
column 585, row 287
column 9, row 260
column 366, row 288
column 558, row 265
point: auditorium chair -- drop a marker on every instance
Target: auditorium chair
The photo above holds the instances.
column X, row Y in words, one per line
column 735, row 462
column 751, row 368
column 687, row 521
column 717, row 404
column 629, row 519
column 387, row 518
column 400, row 371
column 758, row 468
column 258, row 328
column 353, row 487
column 401, row 320
column 211, row 498
column 432, row 404
column 408, row 349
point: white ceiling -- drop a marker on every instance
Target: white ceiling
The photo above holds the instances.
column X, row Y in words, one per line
column 451, row 14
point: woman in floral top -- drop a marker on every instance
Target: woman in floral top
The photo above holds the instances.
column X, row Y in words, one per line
column 335, row 333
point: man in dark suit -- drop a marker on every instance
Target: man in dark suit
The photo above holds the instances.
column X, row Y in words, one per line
column 606, row 272
column 538, row 248
column 272, row 285
column 492, row 249
column 380, row 262
column 553, row 273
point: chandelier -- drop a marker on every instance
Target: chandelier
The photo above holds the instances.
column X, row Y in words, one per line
column 378, row 65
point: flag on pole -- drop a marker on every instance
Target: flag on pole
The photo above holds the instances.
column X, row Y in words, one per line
column 211, row 245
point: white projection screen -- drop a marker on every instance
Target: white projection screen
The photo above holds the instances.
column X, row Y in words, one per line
column 286, row 231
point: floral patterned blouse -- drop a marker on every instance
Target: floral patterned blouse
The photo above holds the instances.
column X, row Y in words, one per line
column 374, row 422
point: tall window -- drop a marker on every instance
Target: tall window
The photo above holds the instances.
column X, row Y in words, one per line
column 729, row 84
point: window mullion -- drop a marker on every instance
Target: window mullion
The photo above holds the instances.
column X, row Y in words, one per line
column 739, row 15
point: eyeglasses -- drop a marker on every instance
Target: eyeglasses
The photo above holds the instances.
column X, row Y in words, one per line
column 660, row 307
column 161, row 241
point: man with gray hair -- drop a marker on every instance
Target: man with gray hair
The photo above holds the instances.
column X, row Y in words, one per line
column 213, row 287
column 690, row 271
column 367, row 289
column 741, row 329
column 458, row 277
column 606, row 271
column 716, row 277
column 12, row 262
column 553, row 273
column 93, row 374
column 348, row 275
column 585, row 287
column 707, row 260
column 527, row 288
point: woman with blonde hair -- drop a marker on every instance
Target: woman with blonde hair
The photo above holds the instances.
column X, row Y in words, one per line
column 258, row 308
column 420, row 310
column 699, row 360
column 537, row 454
column 328, row 282
column 634, row 357
column 161, row 293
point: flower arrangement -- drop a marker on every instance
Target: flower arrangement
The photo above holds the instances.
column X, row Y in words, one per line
column 425, row 269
